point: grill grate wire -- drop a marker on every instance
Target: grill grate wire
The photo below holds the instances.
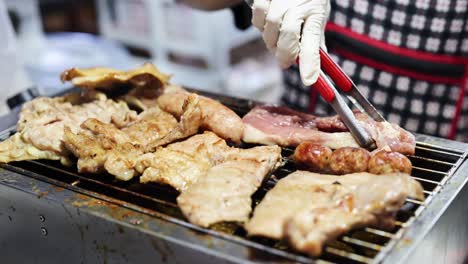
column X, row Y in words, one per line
column 361, row 246
column 432, row 167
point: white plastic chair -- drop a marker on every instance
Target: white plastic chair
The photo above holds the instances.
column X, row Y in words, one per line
column 12, row 75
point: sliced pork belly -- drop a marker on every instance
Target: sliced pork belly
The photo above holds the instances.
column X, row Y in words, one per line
column 309, row 208
column 286, row 127
column 388, row 135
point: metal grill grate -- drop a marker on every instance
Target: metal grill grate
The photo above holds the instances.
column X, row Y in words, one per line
column 432, row 167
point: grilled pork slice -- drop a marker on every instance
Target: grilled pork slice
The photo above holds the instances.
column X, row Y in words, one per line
column 150, row 88
column 96, row 143
column 15, row 148
column 279, row 125
column 215, row 180
column 146, row 76
column 216, row 117
column 181, row 164
column 224, row 192
column 309, row 208
column 150, row 127
column 146, row 83
column 104, row 147
column 286, row 127
column 40, row 129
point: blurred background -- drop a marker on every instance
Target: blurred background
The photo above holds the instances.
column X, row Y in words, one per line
column 202, row 50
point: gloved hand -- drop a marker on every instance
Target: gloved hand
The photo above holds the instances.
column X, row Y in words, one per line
column 293, row 28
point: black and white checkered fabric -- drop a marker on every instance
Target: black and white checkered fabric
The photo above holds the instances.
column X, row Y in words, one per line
column 416, row 105
column 436, row 26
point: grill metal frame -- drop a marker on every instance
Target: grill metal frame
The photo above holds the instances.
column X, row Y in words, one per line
column 78, row 195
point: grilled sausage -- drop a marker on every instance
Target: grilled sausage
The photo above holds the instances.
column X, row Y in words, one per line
column 388, row 162
column 346, row 160
column 315, row 156
column 349, row 160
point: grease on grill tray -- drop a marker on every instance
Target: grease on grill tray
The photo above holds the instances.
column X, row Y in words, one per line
column 39, row 193
column 115, row 211
column 226, row 227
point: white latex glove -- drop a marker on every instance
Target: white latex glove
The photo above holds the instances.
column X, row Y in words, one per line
column 293, row 28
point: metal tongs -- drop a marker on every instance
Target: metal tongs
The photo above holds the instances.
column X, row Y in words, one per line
column 331, row 71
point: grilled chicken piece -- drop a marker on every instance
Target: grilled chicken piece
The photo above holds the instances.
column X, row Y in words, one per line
column 146, row 76
column 146, row 83
column 151, row 125
column 181, row 164
column 289, row 195
column 41, row 125
column 151, row 88
column 99, row 145
column 16, row 148
column 143, row 99
column 309, row 208
column 216, row 181
column 190, row 122
column 104, row 147
column 224, row 192
column 286, row 127
column 215, row 116
column 352, row 206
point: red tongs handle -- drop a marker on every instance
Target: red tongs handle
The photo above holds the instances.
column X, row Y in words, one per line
column 340, row 78
column 322, row 87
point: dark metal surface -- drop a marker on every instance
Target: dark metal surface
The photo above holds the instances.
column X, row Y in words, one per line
column 49, row 213
column 447, row 241
column 9, row 120
column 43, row 223
column 439, row 232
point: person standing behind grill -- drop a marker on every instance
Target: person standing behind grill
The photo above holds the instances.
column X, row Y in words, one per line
column 409, row 57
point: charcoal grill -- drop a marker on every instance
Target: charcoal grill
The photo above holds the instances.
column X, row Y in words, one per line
column 52, row 214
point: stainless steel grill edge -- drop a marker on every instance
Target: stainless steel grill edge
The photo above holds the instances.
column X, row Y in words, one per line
column 49, row 213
